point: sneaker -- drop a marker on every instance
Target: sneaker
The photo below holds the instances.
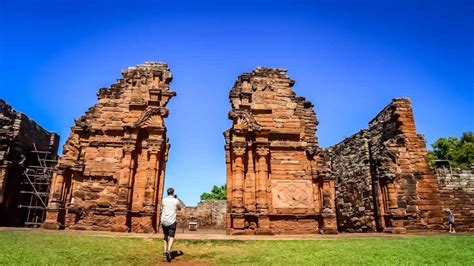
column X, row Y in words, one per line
column 168, row 257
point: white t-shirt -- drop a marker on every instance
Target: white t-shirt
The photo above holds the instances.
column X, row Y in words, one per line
column 169, row 207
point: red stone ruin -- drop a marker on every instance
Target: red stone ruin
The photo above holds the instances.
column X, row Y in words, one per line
column 111, row 174
column 278, row 178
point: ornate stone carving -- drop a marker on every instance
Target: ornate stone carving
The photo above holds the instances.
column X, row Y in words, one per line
column 152, row 117
column 239, row 151
column 244, row 121
column 291, row 194
column 262, row 151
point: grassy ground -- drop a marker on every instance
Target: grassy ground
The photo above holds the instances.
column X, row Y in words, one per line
column 39, row 248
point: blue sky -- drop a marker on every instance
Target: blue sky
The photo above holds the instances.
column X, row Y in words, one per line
column 350, row 58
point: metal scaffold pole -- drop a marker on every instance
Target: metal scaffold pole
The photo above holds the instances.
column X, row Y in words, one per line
column 36, row 185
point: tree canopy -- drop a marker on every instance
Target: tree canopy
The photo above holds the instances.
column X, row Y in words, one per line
column 217, row 193
column 459, row 152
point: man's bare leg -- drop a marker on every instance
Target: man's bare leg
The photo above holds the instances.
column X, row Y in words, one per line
column 170, row 243
column 165, row 246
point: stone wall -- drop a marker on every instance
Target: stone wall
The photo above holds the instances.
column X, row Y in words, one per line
column 278, row 177
column 111, row 174
column 404, row 189
column 457, row 193
column 350, row 162
column 209, row 214
column 18, row 133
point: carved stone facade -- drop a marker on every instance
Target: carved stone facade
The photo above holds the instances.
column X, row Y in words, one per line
column 18, row 134
column 278, row 178
column 383, row 181
column 111, row 173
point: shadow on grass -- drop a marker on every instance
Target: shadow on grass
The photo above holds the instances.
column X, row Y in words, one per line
column 176, row 253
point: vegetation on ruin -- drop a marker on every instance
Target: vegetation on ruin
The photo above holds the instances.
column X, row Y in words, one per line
column 63, row 248
column 459, row 152
column 217, row 193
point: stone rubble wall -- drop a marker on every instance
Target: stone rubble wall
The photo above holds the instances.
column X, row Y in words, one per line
column 18, row 133
column 383, row 171
column 457, row 193
column 209, row 214
column 350, row 161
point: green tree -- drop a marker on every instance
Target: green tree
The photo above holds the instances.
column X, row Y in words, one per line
column 459, row 152
column 217, row 193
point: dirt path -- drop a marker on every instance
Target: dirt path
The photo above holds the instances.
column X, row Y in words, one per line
column 216, row 235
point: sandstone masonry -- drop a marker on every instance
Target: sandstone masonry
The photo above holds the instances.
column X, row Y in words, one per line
column 111, row 173
column 278, row 179
column 383, row 181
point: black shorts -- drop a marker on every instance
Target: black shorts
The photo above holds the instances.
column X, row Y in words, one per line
column 451, row 223
column 169, row 230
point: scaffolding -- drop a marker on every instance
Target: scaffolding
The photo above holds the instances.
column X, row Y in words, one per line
column 35, row 186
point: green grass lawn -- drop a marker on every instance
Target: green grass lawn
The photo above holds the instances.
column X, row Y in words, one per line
column 39, row 248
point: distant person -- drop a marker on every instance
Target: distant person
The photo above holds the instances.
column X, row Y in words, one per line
column 451, row 222
column 169, row 206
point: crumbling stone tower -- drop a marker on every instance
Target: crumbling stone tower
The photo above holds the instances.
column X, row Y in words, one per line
column 111, row 173
column 278, row 178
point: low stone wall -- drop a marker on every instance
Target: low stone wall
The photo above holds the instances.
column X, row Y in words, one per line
column 209, row 214
column 457, row 193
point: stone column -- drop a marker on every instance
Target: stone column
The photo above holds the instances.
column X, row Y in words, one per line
column 379, row 202
column 392, row 196
column 250, row 185
column 229, row 187
column 149, row 211
column 238, row 221
column 58, row 187
column 238, row 182
column 328, row 214
column 149, row 202
column 262, row 179
column 162, row 160
column 262, row 183
column 395, row 214
column 121, row 210
column 56, row 202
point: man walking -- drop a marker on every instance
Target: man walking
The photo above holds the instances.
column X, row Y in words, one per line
column 451, row 222
column 170, row 205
